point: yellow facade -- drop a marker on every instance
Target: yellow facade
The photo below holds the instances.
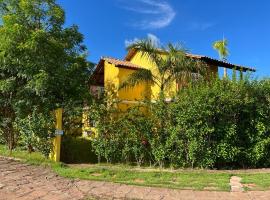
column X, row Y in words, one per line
column 114, row 77
column 144, row 62
column 114, row 73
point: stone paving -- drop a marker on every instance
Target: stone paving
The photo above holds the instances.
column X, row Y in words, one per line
column 235, row 183
column 25, row 182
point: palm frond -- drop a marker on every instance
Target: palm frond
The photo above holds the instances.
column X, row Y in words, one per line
column 221, row 46
column 138, row 77
column 148, row 49
column 171, row 64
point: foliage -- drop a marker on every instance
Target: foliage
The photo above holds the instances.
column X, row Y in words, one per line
column 221, row 47
column 42, row 63
column 160, row 117
column 36, row 131
column 171, row 62
column 224, row 123
column 72, row 118
column 216, row 124
column 172, row 65
column 120, row 136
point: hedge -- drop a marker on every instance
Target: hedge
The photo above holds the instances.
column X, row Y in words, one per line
column 222, row 124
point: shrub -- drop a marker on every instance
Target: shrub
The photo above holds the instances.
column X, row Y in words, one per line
column 36, row 131
column 123, row 136
column 218, row 124
column 225, row 123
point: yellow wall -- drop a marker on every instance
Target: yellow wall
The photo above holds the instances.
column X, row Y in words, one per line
column 143, row 61
column 111, row 80
column 131, row 93
column 114, row 76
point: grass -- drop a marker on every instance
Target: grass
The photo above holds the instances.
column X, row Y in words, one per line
column 258, row 181
column 33, row 158
column 128, row 175
column 179, row 179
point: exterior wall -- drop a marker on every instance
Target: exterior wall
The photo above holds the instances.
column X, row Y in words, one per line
column 131, row 96
column 143, row 61
column 111, row 80
column 114, row 76
column 134, row 93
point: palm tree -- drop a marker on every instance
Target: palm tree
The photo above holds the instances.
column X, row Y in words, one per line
column 172, row 64
column 221, row 47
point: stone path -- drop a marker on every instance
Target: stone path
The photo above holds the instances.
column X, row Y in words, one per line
column 25, row 182
column 235, row 183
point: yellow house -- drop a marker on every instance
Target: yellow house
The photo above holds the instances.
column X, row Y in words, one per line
column 111, row 72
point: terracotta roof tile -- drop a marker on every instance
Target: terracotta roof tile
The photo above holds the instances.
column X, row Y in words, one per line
column 220, row 62
column 206, row 59
column 121, row 63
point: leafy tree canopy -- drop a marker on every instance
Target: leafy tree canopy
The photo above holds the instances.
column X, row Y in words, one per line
column 42, row 62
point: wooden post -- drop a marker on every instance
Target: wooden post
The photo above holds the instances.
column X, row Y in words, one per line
column 55, row 154
column 225, row 73
column 241, row 75
column 234, row 76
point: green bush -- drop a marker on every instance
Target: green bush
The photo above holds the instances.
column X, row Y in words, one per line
column 123, row 137
column 36, row 132
column 221, row 124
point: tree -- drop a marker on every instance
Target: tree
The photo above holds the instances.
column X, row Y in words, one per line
column 221, row 47
column 174, row 66
column 42, row 63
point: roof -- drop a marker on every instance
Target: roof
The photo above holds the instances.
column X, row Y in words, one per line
column 120, row 63
column 220, row 63
column 206, row 59
column 98, row 75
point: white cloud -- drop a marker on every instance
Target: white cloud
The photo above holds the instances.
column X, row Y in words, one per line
column 154, row 39
column 156, row 13
column 129, row 42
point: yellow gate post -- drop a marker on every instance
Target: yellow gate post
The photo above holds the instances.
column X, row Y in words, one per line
column 55, row 154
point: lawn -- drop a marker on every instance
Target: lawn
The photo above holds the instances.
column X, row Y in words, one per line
column 178, row 179
column 258, row 181
column 33, row 158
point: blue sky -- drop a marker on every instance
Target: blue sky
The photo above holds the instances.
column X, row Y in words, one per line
column 108, row 25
